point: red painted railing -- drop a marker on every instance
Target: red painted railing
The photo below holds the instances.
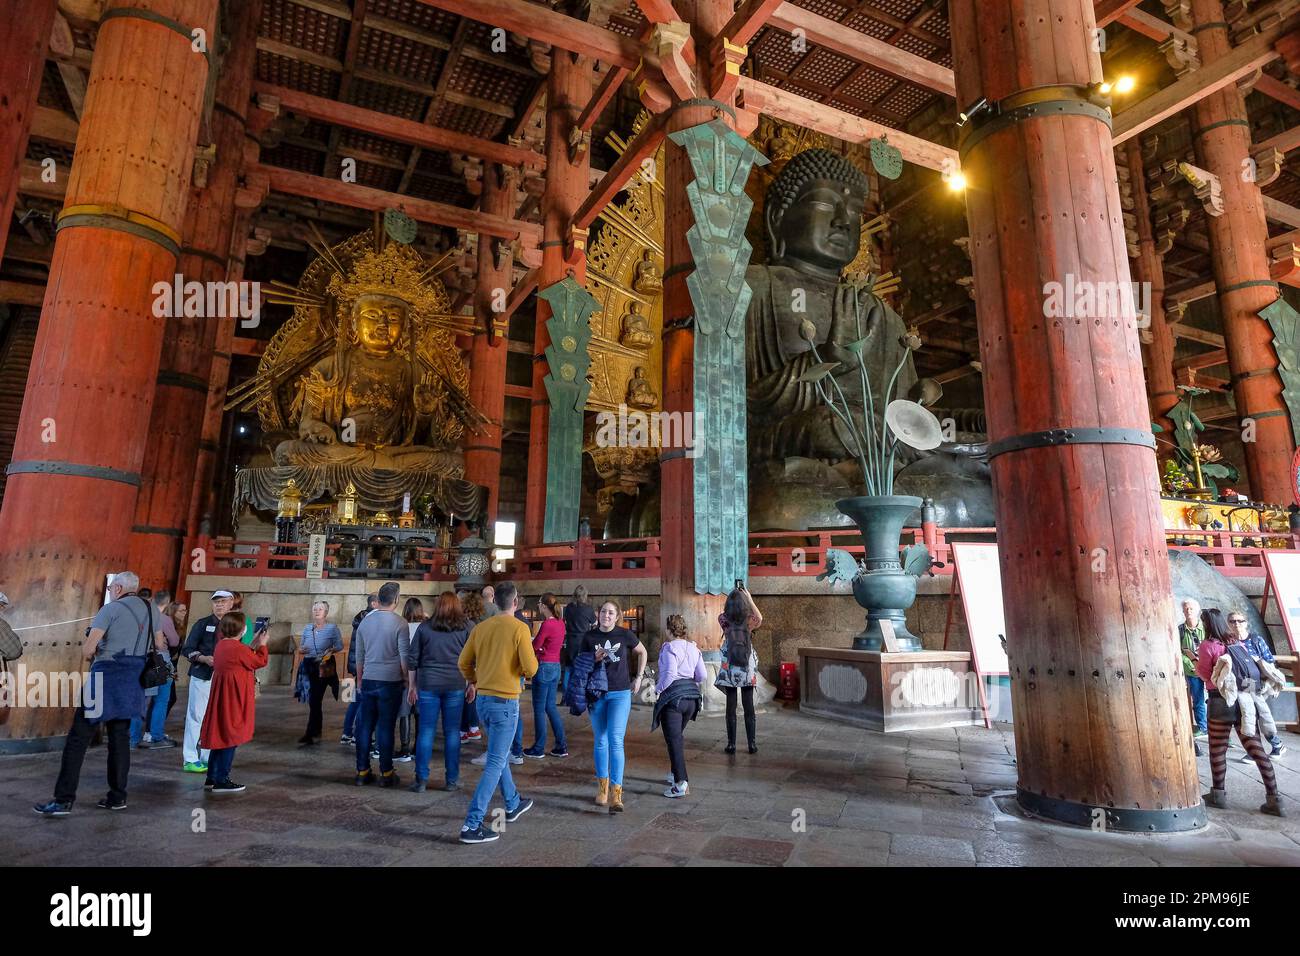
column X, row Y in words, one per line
column 771, row 554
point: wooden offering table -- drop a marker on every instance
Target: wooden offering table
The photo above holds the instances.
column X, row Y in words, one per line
column 890, row 692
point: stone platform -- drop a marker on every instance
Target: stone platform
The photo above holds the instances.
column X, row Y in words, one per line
column 923, row 798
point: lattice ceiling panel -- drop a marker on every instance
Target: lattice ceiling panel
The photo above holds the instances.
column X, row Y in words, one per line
column 466, row 119
column 870, row 26
column 869, row 85
column 283, row 71
column 398, row 152
column 824, row 68
column 474, row 78
column 826, row 8
column 901, row 9
column 303, row 28
column 378, row 177
column 419, row 15
column 40, row 149
column 437, row 190
column 388, row 99
column 293, row 156
column 399, row 56
column 906, row 99
column 774, row 50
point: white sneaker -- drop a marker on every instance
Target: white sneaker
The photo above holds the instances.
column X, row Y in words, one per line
column 516, row 760
column 677, row 790
column 480, row 760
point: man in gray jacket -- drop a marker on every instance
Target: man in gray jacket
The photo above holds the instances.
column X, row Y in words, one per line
column 382, row 642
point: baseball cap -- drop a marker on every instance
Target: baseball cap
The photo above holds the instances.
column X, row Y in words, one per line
column 221, row 594
column 4, row 599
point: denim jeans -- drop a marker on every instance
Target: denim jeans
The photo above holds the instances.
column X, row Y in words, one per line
column 544, row 684
column 608, row 724
column 350, row 718
column 220, row 763
column 469, row 717
column 450, row 704
column 1196, row 687
column 498, row 718
column 380, row 701
column 517, row 745
column 155, row 709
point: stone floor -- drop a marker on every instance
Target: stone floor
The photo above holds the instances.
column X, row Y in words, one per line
column 816, row 794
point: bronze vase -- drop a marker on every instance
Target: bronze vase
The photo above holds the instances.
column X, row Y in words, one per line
column 883, row 589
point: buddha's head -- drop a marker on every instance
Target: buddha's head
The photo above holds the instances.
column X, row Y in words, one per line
column 813, row 213
column 378, row 322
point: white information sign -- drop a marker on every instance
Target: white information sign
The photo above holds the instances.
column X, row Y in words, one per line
column 316, row 557
column 980, row 580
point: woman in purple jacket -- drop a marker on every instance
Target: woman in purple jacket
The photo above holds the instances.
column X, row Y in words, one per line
column 680, row 671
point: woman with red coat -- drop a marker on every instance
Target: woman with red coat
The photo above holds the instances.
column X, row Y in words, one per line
column 231, row 703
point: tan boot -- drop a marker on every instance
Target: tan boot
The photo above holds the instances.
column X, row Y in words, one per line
column 616, row 799
column 602, row 794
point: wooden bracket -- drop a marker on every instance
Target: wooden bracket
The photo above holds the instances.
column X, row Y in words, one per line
column 1206, row 186
column 1268, row 164
column 1180, row 12
column 204, row 157
column 725, row 75
column 650, row 87
column 670, row 42
column 251, row 195
column 575, row 247
column 579, row 143
column 1182, row 55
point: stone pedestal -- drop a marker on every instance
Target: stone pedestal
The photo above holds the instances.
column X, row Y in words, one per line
column 911, row 690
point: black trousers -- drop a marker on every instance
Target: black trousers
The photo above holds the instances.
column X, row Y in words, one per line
column 673, row 719
column 74, row 752
column 751, row 722
column 315, row 717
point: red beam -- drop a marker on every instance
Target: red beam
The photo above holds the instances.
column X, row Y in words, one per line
column 521, row 292
column 540, row 23
column 1279, row 91
column 865, row 49
column 364, row 197
column 628, row 165
column 604, row 93
column 750, row 17
column 658, row 11
column 1283, row 142
column 396, row 128
column 1108, row 11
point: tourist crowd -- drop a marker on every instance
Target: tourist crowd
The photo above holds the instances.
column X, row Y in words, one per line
column 463, row 665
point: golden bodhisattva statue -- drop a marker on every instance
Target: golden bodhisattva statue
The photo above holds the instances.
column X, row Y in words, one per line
column 636, row 328
column 640, row 394
column 646, row 278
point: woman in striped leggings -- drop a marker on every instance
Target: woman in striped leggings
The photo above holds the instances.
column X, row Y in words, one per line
column 1219, row 640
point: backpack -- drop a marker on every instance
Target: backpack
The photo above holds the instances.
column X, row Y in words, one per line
column 11, row 645
column 740, row 646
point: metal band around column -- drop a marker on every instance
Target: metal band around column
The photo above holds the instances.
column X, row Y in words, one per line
column 181, row 380
column 1037, row 103
column 123, row 220
column 150, row 529
column 1249, row 284
column 715, row 104
column 212, row 257
column 73, row 470
column 1116, row 818
column 1272, row 413
column 1253, row 373
column 1073, row 436
column 1227, row 122
column 153, row 17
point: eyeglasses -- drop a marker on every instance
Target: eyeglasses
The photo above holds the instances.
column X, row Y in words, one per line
column 1236, row 620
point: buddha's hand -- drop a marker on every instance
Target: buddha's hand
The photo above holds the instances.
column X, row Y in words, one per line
column 309, row 429
column 426, row 396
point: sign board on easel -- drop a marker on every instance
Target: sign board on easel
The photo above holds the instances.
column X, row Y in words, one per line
column 316, row 557
column 1284, row 581
column 977, row 579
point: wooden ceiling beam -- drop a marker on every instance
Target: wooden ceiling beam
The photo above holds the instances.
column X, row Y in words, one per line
column 54, row 125
column 750, row 17
column 1182, row 293
column 1283, row 142
column 454, row 51
column 345, row 81
column 22, row 293
column 802, row 111
column 365, row 197
column 1278, row 211
column 547, row 26
column 1108, row 11
column 1153, row 27
column 1192, row 88
column 1275, row 88
column 1196, row 335
column 387, row 126
column 627, row 166
column 865, row 49
column 1204, row 360
column 605, row 92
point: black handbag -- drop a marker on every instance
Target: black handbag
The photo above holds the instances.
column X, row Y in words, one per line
column 157, row 668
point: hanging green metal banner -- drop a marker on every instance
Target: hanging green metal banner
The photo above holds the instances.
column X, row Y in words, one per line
column 1285, row 323
column 887, row 160
column 721, row 160
column 567, row 388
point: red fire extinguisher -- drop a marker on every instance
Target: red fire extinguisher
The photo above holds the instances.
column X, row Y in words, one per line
column 789, row 686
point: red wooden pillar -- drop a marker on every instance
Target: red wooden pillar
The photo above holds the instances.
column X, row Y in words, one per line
column 27, row 23
column 487, row 357
column 1161, row 393
column 176, row 425
column 1103, row 735
column 676, row 471
column 568, row 89
column 1241, row 269
column 82, row 435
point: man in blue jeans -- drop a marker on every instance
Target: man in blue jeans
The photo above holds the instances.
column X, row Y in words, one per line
column 354, row 705
column 495, row 660
column 382, row 642
column 1190, row 634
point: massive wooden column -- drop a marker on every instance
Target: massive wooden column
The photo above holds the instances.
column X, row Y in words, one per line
column 176, row 425
column 1102, row 730
column 27, row 23
column 568, row 89
column 1161, row 393
column 676, row 471
column 82, row 435
column 487, row 357
column 1241, row 269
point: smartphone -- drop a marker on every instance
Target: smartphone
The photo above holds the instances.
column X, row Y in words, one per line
column 740, row 584
column 261, row 624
